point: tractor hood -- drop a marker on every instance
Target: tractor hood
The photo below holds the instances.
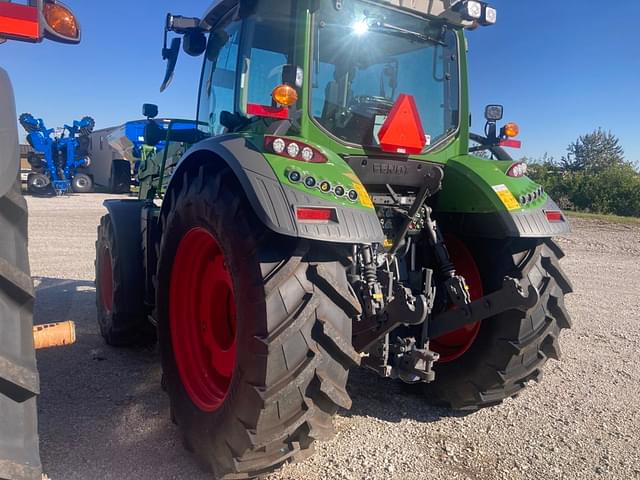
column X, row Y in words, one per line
column 9, row 160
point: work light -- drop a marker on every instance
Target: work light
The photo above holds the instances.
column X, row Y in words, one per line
column 490, row 15
column 472, row 10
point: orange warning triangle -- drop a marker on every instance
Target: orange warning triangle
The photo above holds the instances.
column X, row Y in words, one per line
column 402, row 131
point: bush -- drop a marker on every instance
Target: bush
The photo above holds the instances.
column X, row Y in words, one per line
column 614, row 190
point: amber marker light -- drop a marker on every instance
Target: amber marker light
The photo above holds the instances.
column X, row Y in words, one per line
column 285, row 95
column 511, row 130
column 61, row 20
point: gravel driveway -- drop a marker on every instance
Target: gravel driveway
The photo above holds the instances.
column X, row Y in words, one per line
column 104, row 416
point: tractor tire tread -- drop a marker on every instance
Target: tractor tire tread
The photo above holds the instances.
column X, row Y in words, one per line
column 522, row 344
column 290, row 404
column 19, row 380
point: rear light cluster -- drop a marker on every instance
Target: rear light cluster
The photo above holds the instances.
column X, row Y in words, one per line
column 519, row 169
column 293, row 149
column 531, row 196
column 324, row 186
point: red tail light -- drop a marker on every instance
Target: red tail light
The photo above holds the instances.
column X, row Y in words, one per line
column 315, row 214
column 554, row 216
column 19, row 21
column 510, row 143
column 281, row 113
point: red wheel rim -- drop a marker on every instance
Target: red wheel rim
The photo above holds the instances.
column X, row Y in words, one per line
column 106, row 281
column 455, row 344
column 202, row 318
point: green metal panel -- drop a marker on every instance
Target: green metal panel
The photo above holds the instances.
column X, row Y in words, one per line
column 336, row 171
column 469, row 186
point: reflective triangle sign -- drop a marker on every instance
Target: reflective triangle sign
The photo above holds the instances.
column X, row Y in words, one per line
column 402, row 132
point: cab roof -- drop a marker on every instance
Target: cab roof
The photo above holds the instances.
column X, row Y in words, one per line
column 440, row 9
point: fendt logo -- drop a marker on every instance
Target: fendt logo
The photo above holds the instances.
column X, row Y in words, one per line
column 390, row 169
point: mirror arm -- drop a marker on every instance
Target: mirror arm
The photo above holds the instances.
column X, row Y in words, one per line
column 491, row 131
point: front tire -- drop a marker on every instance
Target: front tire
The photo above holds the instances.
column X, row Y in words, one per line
column 273, row 342
column 511, row 348
column 121, row 312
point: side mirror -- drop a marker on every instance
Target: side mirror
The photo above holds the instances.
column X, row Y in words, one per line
column 171, row 56
column 195, row 43
column 292, row 75
column 149, row 110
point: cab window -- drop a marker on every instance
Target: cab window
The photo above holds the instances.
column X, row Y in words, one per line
column 218, row 85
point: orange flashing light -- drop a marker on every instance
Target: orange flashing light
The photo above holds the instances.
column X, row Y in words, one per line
column 285, row 95
column 511, row 130
column 19, row 21
column 61, row 20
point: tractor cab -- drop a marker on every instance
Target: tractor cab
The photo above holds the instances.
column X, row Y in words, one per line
column 333, row 70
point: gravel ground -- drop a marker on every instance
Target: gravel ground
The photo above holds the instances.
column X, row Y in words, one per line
column 104, row 416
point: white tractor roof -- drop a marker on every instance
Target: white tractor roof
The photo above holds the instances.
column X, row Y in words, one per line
column 442, row 9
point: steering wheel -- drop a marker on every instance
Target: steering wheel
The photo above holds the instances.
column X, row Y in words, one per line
column 371, row 100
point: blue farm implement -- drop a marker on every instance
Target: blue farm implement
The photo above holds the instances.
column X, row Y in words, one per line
column 57, row 161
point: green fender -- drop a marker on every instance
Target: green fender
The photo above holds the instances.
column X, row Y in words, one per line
column 478, row 198
column 275, row 199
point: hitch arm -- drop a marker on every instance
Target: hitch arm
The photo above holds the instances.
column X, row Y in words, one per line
column 510, row 297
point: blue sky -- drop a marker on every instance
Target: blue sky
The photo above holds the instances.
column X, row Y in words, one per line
column 561, row 68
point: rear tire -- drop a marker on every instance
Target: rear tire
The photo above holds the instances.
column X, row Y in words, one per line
column 82, row 183
column 122, row 315
column 19, row 385
column 511, row 348
column 120, row 180
column 292, row 309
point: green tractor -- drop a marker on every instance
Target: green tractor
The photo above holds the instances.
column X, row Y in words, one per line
column 322, row 212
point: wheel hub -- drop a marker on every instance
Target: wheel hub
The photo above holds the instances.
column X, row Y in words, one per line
column 455, row 344
column 202, row 317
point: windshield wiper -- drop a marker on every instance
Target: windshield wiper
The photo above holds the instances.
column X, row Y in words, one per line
column 377, row 26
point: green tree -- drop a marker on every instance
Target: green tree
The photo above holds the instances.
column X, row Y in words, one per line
column 594, row 152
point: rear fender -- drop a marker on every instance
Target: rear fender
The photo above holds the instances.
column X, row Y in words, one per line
column 479, row 199
column 274, row 202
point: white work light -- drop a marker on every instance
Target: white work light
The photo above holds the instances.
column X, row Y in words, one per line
column 472, row 10
column 490, row 15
